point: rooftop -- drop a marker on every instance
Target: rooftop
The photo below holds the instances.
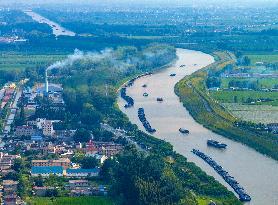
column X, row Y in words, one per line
column 78, row 181
column 94, row 170
column 54, row 160
column 9, row 182
column 47, row 170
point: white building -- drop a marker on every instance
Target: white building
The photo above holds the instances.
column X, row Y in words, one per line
column 47, row 128
column 82, row 173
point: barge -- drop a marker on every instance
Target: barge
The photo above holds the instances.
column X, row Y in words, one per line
column 216, row 144
column 243, row 196
column 129, row 100
column 145, row 122
column 184, row 131
column 159, row 99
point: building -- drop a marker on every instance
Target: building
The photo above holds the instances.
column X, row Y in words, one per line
column 273, row 127
column 36, row 138
column 54, row 149
column 45, row 171
column 108, row 149
column 78, row 184
column 25, row 131
column 63, row 162
column 81, row 192
column 80, row 173
column 10, row 199
column 6, row 160
column 9, row 186
column 109, row 152
column 90, row 149
column 47, row 128
column 64, row 133
column 42, row 191
column 100, row 158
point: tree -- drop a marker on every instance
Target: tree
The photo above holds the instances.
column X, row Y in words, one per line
column 89, row 163
column 18, row 165
column 143, row 180
column 51, row 193
column 82, row 135
column 38, row 181
column 107, row 169
column 11, row 176
column 245, row 61
column 213, row 82
column 235, row 99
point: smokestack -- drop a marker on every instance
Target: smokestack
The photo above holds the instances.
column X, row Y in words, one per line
column 46, row 82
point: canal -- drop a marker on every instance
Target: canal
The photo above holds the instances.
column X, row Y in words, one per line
column 257, row 173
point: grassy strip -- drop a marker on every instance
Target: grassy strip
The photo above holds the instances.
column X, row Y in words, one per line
column 207, row 111
column 94, row 200
column 271, row 58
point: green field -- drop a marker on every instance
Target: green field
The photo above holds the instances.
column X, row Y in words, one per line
column 207, row 109
column 70, row 201
column 16, row 61
column 202, row 200
column 270, row 58
column 228, row 96
column 263, row 82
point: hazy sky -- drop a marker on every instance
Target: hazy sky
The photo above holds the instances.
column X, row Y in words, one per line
column 144, row 2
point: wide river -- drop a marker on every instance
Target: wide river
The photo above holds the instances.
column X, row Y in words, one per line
column 57, row 30
column 257, row 173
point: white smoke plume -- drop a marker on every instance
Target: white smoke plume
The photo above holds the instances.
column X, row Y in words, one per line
column 113, row 59
column 106, row 54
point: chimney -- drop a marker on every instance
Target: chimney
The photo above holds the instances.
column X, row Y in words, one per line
column 46, row 82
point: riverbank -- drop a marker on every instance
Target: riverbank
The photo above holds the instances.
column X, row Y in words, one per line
column 170, row 115
column 205, row 110
column 201, row 186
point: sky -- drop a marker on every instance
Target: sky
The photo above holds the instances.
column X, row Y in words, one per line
column 142, row 2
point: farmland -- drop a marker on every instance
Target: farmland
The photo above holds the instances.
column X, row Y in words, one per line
column 255, row 113
column 70, row 201
column 269, row 58
column 227, row 96
column 196, row 98
column 20, row 61
column 262, row 82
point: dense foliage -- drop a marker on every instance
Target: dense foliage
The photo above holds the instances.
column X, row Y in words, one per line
column 159, row 177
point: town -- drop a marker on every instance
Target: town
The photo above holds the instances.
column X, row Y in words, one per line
column 47, row 151
column 144, row 102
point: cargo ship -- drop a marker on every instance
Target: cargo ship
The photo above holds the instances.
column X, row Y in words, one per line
column 159, row 99
column 216, row 144
column 184, row 131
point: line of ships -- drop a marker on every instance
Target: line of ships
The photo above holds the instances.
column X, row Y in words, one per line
column 129, row 100
column 243, row 196
column 142, row 117
column 145, row 122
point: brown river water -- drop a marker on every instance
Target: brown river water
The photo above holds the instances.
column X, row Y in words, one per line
column 258, row 174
